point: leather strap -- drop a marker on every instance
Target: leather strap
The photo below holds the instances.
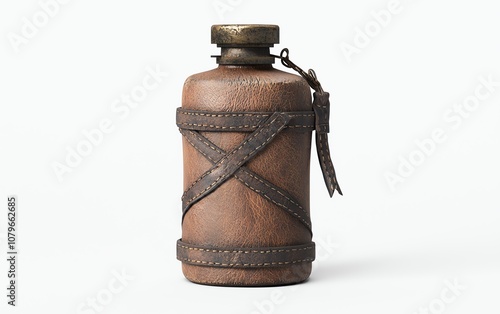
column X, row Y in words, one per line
column 253, row 181
column 233, row 160
column 245, row 257
column 250, row 121
column 237, row 121
column 321, row 106
column 264, row 127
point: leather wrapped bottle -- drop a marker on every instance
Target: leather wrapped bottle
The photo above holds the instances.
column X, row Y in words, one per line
column 246, row 143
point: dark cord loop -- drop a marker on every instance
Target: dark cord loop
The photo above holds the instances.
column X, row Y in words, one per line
column 310, row 76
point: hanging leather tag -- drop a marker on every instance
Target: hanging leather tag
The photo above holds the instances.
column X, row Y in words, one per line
column 321, row 107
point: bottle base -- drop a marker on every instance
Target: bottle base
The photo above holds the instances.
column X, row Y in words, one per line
column 247, row 277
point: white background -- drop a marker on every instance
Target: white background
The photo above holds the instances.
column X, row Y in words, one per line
column 382, row 248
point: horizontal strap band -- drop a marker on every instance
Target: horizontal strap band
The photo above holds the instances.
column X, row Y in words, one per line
column 244, row 257
column 237, row 121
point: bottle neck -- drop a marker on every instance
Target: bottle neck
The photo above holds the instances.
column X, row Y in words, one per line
column 245, row 56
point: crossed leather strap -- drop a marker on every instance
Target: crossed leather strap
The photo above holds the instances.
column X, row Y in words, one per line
column 264, row 127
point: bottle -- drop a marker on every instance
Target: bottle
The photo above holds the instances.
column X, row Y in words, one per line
column 246, row 130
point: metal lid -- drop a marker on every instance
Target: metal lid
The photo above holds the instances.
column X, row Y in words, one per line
column 245, row 35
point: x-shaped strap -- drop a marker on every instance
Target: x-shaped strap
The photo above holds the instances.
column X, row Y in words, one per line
column 264, row 127
column 250, row 179
column 226, row 165
column 231, row 161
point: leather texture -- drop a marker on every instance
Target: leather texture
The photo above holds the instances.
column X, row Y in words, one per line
column 241, row 174
column 321, row 106
column 250, row 179
column 245, row 257
column 237, row 121
column 232, row 161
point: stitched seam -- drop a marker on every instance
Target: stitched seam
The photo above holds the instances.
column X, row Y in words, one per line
column 246, row 126
column 191, row 186
column 218, row 126
column 239, row 114
column 331, row 171
column 300, row 126
column 249, row 264
column 276, row 190
column 198, row 149
column 222, row 115
column 213, row 126
column 232, row 153
column 252, row 176
column 202, row 139
column 207, row 144
column 246, row 251
column 226, row 157
column 258, row 191
column 276, row 203
column 323, row 161
column 302, row 115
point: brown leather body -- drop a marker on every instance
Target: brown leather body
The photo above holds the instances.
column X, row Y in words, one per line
column 233, row 215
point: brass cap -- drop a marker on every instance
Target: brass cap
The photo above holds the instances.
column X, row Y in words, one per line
column 245, row 35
